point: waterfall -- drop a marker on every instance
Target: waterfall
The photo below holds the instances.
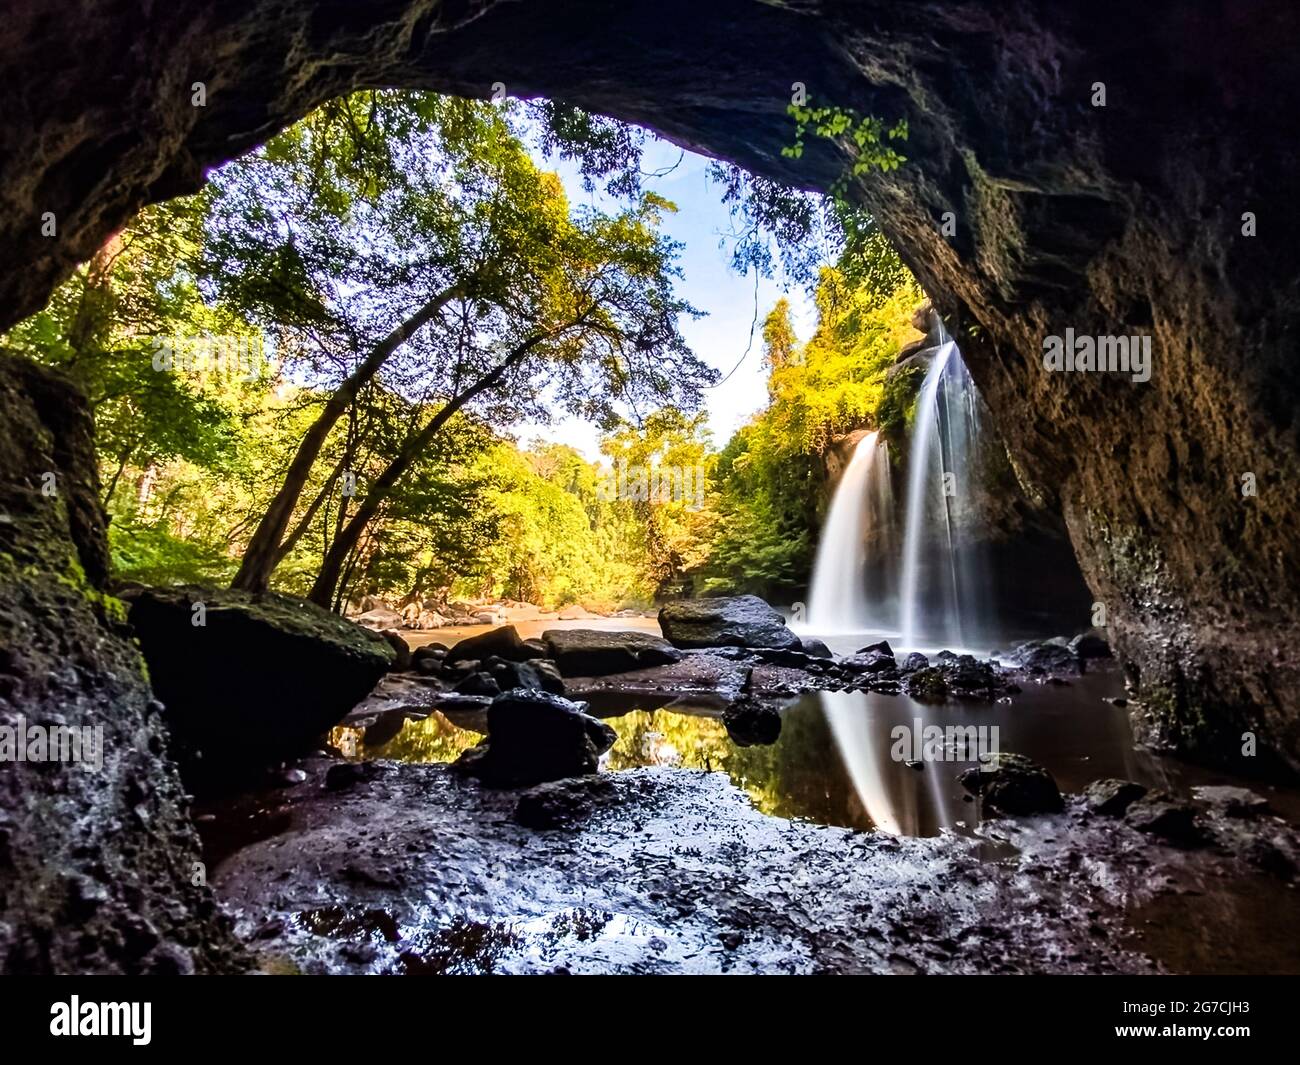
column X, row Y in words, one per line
column 943, row 581
column 935, row 591
column 840, row 599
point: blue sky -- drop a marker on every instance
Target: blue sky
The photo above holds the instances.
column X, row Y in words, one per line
column 709, row 284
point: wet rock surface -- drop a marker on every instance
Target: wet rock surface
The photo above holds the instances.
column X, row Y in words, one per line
column 97, row 855
column 1111, row 797
column 1014, row 784
column 416, row 870
column 727, row 621
column 593, row 652
column 258, row 680
column 534, row 737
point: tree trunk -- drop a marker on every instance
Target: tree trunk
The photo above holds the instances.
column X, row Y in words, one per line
column 263, row 550
column 322, row 592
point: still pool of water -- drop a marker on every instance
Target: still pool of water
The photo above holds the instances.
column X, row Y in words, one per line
column 835, row 763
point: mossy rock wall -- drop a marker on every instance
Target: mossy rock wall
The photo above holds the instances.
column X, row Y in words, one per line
column 100, row 868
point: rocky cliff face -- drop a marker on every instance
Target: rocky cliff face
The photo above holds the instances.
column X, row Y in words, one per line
column 99, row 865
column 1124, row 219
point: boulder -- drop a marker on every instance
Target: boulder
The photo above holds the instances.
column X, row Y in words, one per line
column 400, row 648
column 1111, row 797
column 575, row 612
column 380, row 618
column 815, row 648
column 968, row 678
column 927, row 685
column 1232, row 801
column 598, row 652
column 1089, row 644
column 434, row 652
column 534, row 737
column 794, row 658
column 1014, row 784
column 1046, row 656
column 727, row 621
column 913, row 662
column 503, row 642
column 1168, row 818
column 259, row 680
column 565, row 805
column 750, row 723
column 871, row 662
column 477, row 684
column 529, row 674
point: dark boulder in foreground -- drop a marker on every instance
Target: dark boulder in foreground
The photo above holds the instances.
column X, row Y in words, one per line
column 728, row 621
column 260, row 678
column 534, row 737
column 599, row 652
column 1014, row 785
column 565, row 805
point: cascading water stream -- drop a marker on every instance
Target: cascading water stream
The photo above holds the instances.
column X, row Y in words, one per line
column 920, row 484
column 861, row 509
column 939, row 579
column 943, row 585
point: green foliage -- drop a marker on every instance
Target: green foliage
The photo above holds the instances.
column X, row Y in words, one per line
column 106, row 326
column 868, row 136
column 768, row 481
column 151, row 554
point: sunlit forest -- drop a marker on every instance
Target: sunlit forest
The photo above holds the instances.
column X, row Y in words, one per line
column 312, row 375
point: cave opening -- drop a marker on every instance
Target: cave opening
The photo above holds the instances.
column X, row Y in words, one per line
column 399, row 470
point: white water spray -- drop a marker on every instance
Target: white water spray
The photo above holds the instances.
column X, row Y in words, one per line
column 862, row 508
column 943, row 584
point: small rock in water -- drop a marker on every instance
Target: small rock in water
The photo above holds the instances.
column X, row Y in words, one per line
column 927, row 685
column 477, row 684
column 1232, row 801
column 815, row 648
column 750, row 723
column 1015, row 785
column 872, row 661
column 536, row 736
column 503, row 642
column 1111, row 797
column 1172, row 820
column 913, row 662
